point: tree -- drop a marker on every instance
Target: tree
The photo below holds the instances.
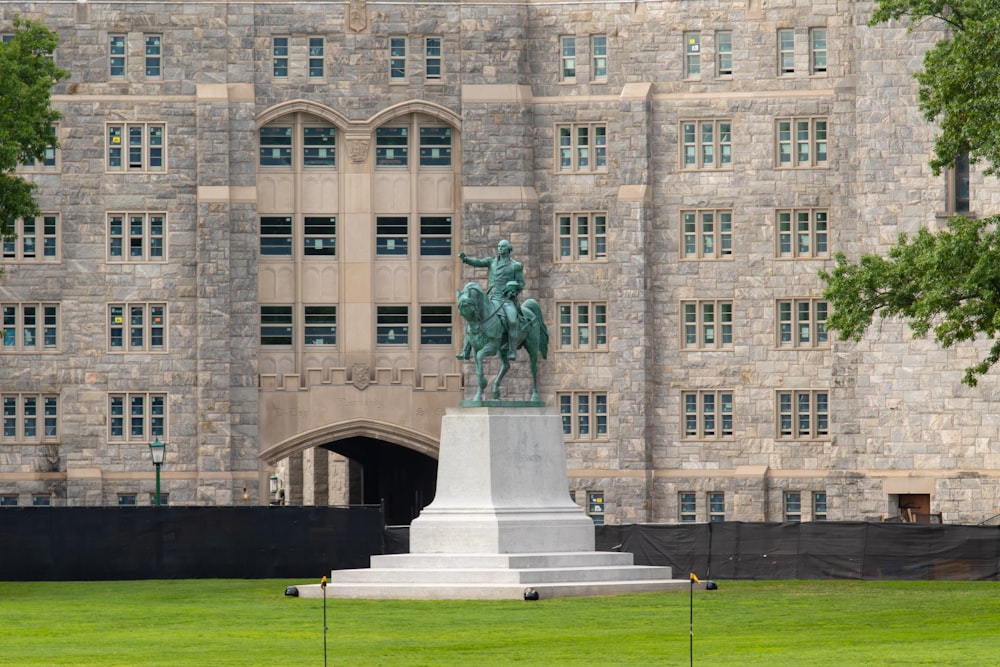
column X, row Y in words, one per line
column 27, row 73
column 947, row 282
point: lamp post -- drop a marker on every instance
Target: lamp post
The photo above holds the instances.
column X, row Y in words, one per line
column 157, row 449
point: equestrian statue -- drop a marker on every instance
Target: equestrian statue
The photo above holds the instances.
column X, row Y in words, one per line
column 496, row 324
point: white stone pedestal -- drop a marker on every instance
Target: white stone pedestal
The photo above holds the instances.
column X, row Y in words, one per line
column 501, row 522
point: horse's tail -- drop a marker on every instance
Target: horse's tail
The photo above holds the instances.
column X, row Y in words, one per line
column 543, row 331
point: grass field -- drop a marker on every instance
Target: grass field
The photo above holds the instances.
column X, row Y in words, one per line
column 251, row 622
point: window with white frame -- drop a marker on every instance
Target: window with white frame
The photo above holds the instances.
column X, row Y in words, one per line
column 435, row 146
column 392, row 325
column 802, row 142
column 30, row 327
column 567, row 58
column 803, row 233
column 432, row 58
column 792, row 506
column 136, row 147
column 319, row 146
column 319, row 236
column 275, row 236
column 584, row 414
column 707, row 324
column 30, row 418
column 298, row 142
column 154, row 56
column 137, row 416
column 708, row 414
column 36, row 240
column 819, row 505
column 803, row 414
column 582, row 147
column 279, row 55
column 116, row 56
column 598, row 58
column 724, row 53
column 397, row 59
column 392, row 235
column 802, row 323
column 317, row 51
column 49, row 161
column 137, row 237
column 687, row 506
column 320, row 325
column 957, row 186
column 582, row 236
column 435, row 235
column 137, row 327
column 817, row 51
column 692, row 54
column 583, row 325
column 276, row 146
column 392, row 145
column 716, row 506
column 786, row 52
column 707, row 233
column 707, row 144
column 276, row 321
column 436, row 325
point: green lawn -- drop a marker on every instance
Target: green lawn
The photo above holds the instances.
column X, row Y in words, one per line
column 251, row 622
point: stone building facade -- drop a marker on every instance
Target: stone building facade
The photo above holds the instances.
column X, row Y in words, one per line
column 249, row 239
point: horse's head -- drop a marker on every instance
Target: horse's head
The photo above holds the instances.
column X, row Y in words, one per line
column 470, row 301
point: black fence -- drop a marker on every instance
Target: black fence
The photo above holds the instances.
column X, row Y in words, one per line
column 103, row 543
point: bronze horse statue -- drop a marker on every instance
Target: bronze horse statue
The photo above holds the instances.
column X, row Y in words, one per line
column 486, row 334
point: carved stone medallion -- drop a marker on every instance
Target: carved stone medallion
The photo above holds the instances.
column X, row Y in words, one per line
column 361, row 376
column 357, row 15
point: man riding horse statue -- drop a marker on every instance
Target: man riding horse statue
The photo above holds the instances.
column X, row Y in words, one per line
column 496, row 324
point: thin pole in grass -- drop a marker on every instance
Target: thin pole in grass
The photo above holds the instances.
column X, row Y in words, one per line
column 694, row 580
column 322, row 584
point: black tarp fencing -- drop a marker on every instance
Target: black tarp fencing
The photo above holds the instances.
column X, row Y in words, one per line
column 103, row 543
column 815, row 550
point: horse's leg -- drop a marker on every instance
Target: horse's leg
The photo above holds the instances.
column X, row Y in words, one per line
column 504, row 367
column 532, row 347
column 480, row 375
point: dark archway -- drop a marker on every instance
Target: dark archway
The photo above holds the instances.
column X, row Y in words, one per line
column 400, row 479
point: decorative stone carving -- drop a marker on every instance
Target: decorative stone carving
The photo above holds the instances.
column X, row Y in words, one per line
column 357, row 15
column 361, row 376
column 357, row 149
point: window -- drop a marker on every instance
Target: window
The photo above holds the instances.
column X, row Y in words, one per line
column 275, row 236
column 599, row 58
column 435, row 325
column 724, row 53
column 692, row 54
column 817, row 51
column 582, row 236
column 30, row 327
column 802, row 142
column 317, row 49
column 50, row 158
column 391, row 146
column 583, row 325
column 146, row 149
column 276, row 146
column 708, row 415
column 707, row 234
column 319, row 146
column 802, row 323
column 36, row 240
column 707, row 324
column 136, row 237
column 567, row 59
column 435, row 236
column 154, row 52
column 397, row 59
column 803, row 414
column 126, row 499
column 707, row 144
column 582, row 147
column 164, row 499
column 688, row 505
column 279, row 50
column 145, row 330
column 716, row 506
column 584, row 415
column 40, row 500
column 116, row 59
column 819, row 505
column 320, row 325
column 957, row 188
column 319, row 236
column 432, row 58
column 392, row 325
column 392, row 235
column 137, row 417
column 786, row 52
column 435, row 146
column 276, row 326
column 30, row 418
column 596, row 506
column 803, row 233
column 793, row 506
column 8, row 500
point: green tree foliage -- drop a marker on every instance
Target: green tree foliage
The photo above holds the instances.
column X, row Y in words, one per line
column 27, row 74
column 946, row 283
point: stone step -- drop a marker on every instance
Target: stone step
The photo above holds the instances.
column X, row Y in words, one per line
column 515, row 561
column 527, row 577
column 434, row 591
